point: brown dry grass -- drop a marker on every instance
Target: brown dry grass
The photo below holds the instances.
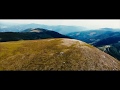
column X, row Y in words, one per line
column 52, row 54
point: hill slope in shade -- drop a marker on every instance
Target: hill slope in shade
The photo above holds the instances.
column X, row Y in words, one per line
column 95, row 36
column 54, row 54
column 112, row 49
column 30, row 34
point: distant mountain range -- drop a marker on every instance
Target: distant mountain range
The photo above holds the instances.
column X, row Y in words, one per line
column 20, row 27
column 93, row 36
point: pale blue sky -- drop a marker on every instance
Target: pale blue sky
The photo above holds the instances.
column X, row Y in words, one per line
column 88, row 23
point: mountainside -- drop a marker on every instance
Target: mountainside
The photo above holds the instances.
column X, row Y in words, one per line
column 54, row 54
column 112, row 49
column 94, row 36
column 105, row 39
column 30, row 34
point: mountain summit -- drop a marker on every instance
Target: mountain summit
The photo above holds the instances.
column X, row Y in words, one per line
column 35, row 30
column 60, row 54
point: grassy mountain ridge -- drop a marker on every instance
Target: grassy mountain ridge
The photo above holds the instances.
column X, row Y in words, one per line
column 54, row 54
column 30, row 34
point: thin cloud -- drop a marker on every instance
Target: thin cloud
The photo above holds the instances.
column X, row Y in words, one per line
column 88, row 23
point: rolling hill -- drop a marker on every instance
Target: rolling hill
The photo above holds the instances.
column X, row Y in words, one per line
column 30, row 34
column 58, row 54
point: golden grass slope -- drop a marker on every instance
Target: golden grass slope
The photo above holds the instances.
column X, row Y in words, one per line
column 54, row 54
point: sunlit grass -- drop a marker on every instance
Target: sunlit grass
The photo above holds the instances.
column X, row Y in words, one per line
column 45, row 54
